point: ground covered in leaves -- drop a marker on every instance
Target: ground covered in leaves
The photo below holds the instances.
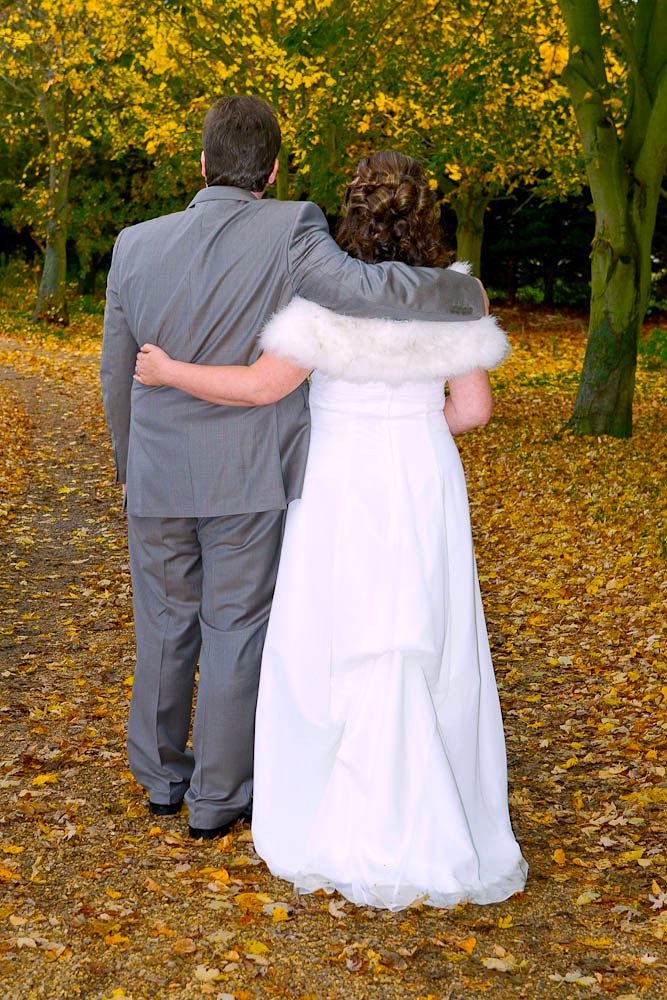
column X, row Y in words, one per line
column 99, row 901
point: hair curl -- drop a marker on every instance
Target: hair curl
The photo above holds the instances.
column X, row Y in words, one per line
column 390, row 213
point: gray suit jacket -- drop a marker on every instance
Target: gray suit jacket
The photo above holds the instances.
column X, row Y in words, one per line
column 201, row 284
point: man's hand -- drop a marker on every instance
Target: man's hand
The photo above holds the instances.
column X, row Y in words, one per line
column 152, row 366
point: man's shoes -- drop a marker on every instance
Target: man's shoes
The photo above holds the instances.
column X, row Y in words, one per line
column 210, row 833
column 164, row 808
column 205, row 833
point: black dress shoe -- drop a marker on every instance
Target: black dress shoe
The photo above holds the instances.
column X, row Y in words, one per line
column 210, row 833
column 164, row 808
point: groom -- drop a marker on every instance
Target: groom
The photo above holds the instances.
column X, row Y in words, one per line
column 207, row 486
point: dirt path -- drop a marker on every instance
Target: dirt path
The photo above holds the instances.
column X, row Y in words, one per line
column 98, row 901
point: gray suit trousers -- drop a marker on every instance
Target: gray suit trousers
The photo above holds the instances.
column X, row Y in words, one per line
column 202, row 592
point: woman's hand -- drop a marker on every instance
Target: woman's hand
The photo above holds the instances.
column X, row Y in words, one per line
column 469, row 403
column 153, row 366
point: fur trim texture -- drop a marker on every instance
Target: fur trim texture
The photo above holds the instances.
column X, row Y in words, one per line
column 382, row 350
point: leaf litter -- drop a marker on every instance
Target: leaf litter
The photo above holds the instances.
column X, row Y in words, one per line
column 100, row 901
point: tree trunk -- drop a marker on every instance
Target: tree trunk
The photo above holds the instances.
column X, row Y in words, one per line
column 620, row 283
column 549, row 282
column 282, row 180
column 512, row 279
column 51, row 303
column 606, row 388
column 625, row 176
column 470, row 203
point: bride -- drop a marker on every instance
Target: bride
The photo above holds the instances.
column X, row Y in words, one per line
column 379, row 754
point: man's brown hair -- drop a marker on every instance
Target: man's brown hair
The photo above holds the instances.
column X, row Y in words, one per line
column 241, row 140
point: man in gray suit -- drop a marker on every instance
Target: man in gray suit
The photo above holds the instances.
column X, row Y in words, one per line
column 207, row 486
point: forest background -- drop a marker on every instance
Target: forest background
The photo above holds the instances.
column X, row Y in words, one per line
column 543, row 125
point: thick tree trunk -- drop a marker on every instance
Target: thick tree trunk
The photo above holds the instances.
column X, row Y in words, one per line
column 620, row 283
column 625, row 214
column 470, row 203
column 604, row 399
column 625, row 169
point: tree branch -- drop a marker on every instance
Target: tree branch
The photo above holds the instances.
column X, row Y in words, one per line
column 582, row 20
column 634, row 61
column 651, row 162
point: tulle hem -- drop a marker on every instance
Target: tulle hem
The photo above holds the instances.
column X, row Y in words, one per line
column 395, row 898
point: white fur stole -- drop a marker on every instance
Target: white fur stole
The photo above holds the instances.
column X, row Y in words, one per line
column 382, row 350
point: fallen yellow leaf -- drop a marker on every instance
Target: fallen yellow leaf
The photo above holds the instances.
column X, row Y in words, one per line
column 256, row 947
column 632, row 855
column 219, row 875
column 467, row 945
column 9, row 874
column 116, row 939
column 45, row 779
column 601, row 942
column 252, row 900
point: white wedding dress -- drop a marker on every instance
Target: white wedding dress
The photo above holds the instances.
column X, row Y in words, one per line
column 380, row 758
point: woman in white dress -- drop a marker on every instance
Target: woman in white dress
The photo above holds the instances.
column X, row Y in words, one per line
column 379, row 755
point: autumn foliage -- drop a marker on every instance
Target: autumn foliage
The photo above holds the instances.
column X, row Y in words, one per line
column 571, row 534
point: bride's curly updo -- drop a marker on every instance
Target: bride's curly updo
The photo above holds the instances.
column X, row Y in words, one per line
column 389, row 213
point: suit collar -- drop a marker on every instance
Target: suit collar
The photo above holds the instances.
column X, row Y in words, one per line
column 219, row 192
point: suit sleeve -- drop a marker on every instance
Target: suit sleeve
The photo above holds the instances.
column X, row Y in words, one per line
column 322, row 272
column 119, row 349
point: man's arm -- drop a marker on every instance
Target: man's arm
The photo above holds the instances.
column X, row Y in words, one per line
column 119, row 350
column 323, row 273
